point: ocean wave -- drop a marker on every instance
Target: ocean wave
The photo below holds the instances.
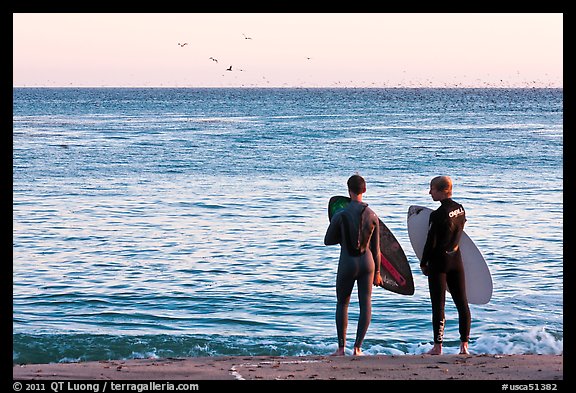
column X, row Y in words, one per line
column 65, row 348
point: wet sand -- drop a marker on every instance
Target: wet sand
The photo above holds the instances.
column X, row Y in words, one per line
column 379, row 367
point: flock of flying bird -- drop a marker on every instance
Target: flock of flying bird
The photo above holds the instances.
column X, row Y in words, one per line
column 182, row 45
column 423, row 84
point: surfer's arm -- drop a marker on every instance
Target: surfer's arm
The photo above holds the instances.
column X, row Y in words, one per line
column 375, row 243
column 428, row 246
column 375, row 250
column 333, row 232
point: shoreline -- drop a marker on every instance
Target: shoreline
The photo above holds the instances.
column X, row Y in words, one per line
column 369, row 367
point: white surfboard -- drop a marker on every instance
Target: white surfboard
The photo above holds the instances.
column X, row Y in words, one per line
column 478, row 277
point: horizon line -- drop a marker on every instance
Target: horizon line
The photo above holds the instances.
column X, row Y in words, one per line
column 273, row 87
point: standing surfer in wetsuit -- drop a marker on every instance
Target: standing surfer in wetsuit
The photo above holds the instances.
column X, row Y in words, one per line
column 356, row 229
column 442, row 263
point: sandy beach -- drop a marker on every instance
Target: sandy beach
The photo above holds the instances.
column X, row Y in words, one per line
column 380, row 367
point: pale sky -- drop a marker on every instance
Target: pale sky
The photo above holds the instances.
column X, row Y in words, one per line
column 288, row 49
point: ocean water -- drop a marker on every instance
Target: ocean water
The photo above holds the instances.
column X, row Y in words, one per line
column 190, row 222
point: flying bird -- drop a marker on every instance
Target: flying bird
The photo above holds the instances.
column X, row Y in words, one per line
column 229, row 68
column 182, row 45
column 246, row 38
column 213, row 59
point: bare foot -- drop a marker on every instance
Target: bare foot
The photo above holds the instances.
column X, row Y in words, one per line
column 436, row 350
column 339, row 352
column 464, row 349
column 357, row 352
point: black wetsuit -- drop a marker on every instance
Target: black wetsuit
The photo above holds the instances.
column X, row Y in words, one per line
column 445, row 269
column 359, row 255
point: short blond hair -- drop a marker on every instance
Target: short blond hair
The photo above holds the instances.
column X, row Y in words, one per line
column 442, row 183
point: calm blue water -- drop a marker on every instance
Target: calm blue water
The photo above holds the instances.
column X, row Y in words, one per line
column 190, row 222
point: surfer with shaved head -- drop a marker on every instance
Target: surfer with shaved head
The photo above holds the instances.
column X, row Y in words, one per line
column 356, row 229
column 442, row 263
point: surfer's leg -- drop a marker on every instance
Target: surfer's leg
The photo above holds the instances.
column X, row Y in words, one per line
column 365, row 301
column 457, row 285
column 344, row 286
column 437, row 287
